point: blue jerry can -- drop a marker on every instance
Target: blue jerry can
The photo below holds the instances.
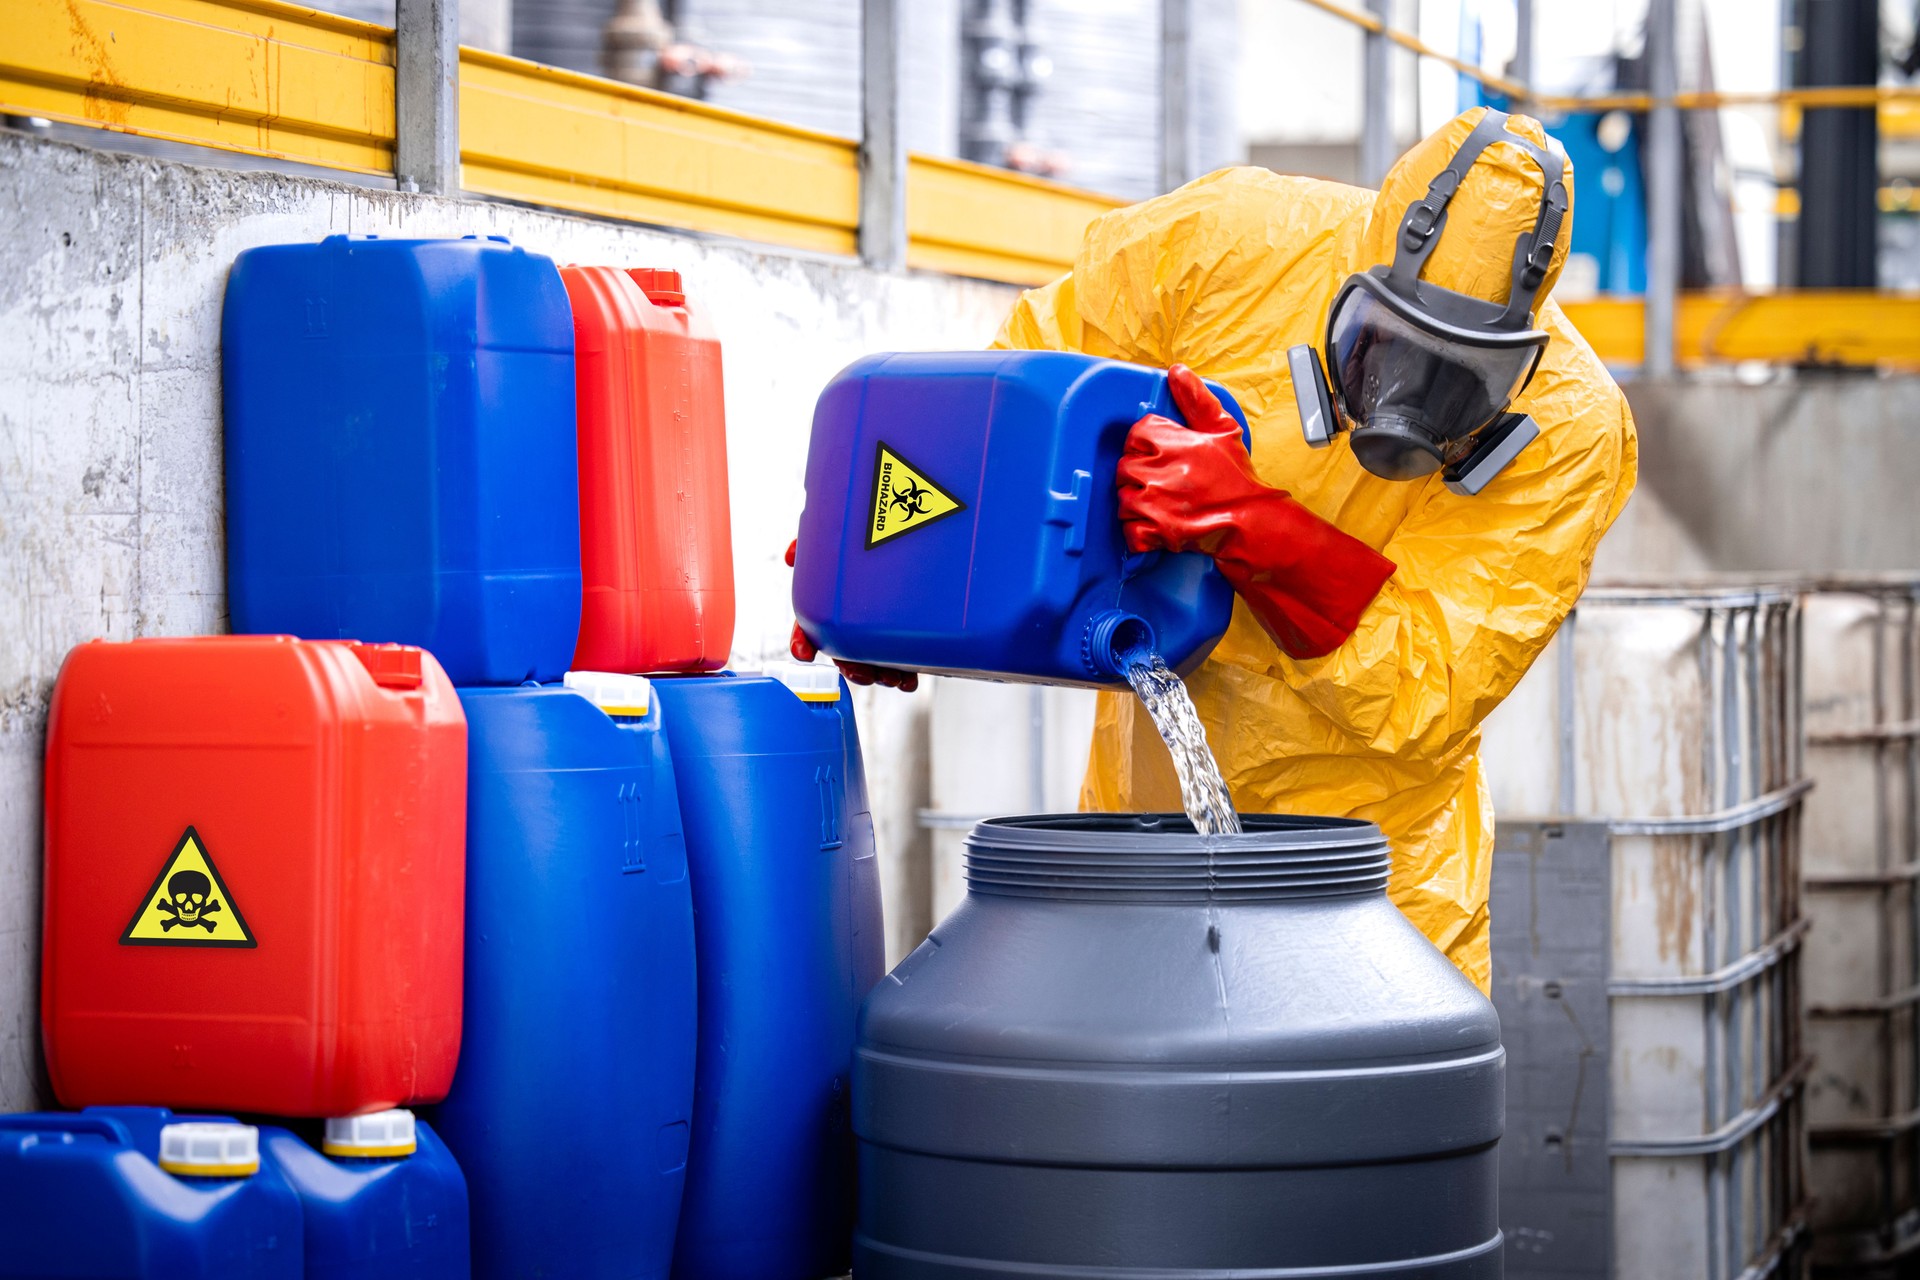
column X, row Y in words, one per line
column 384, row 1202
column 962, row 517
column 81, row 1196
column 400, row 452
column 787, row 921
column 383, row 1199
column 570, row 1108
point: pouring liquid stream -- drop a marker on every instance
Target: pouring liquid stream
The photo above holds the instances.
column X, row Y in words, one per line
column 1203, row 792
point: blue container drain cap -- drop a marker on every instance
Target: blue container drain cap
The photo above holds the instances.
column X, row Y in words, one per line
column 382, row 1135
column 617, row 695
column 199, row 1149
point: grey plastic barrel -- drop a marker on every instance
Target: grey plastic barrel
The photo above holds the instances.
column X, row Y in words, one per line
column 1136, row 1051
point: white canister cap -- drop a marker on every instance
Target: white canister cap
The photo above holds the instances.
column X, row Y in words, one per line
column 200, row 1149
column 617, row 695
column 382, row 1135
column 809, row 683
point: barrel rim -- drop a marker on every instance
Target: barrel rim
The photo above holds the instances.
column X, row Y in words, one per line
column 1159, row 858
column 1170, row 833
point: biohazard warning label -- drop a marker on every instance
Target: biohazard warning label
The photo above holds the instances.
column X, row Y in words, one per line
column 188, row 905
column 904, row 499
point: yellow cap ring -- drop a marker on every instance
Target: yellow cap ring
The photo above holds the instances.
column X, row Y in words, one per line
column 344, row 1151
column 181, row 1170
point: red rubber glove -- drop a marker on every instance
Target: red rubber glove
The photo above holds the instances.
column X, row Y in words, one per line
column 1192, row 488
column 803, row 649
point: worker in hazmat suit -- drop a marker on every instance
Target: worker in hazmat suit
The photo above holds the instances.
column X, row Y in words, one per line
column 1396, row 582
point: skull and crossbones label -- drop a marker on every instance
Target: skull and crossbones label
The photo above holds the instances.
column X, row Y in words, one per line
column 189, row 900
column 188, row 904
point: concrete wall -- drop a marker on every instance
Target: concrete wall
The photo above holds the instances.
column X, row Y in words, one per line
column 1809, row 473
column 111, row 277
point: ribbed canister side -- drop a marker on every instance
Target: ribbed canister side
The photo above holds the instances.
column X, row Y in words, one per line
column 1159, row 857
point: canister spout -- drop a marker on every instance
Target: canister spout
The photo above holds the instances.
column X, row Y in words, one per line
column 1114, row 638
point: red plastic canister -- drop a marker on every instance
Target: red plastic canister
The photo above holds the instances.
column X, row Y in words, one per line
column 255, row 875
column 656, row 552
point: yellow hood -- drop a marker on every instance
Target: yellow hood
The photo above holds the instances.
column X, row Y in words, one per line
column 1495, row 206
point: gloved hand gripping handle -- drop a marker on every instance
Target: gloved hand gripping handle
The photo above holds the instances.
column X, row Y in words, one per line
column 1193, row 488
column 803, row 649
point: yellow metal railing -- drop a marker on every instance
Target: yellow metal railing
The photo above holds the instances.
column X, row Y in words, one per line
column 244, row 75
column 975, row 220
column 276, row 79
column 1858, row 327
column 1814, row 96
column 535, row 133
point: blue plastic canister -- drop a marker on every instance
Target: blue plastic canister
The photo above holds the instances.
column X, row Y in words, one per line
column 962, row 517
column 82, row 1196
column 400, row 453
column 571, row 1104
column 382, row 1200
column 787, row 920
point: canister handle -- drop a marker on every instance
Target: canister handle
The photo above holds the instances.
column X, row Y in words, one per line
column 92, row 1126
column 1071, row 509
column 392, row 666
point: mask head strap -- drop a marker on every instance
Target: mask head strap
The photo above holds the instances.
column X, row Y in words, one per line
column 1426, row 218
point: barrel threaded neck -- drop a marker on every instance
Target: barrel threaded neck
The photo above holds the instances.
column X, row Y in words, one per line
column 1160, row 858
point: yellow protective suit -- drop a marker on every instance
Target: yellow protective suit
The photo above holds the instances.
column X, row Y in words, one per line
column 1224, row 275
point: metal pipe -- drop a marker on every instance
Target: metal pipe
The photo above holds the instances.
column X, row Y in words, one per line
column 1836, row 238
column 1727, row 1134
column 1521, row 68
column 1037, row 749
column 1179, row 106
column 1376, row 100
column 997, row 81
column 1744, row 814
column 1665, row 188
column 883, row 143
column 1727, row 977
column 426, row 96
column 1568, row 687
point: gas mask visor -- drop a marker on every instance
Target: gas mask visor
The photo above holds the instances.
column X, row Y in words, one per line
column 1418, row 392
column 1422, row 377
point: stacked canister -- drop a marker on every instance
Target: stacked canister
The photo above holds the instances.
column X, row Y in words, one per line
column 494, row 835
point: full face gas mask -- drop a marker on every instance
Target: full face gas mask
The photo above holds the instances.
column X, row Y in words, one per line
column 1423, row 376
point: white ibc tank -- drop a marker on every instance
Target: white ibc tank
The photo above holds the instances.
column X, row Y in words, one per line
column 1862, row 970
column 1671, row 717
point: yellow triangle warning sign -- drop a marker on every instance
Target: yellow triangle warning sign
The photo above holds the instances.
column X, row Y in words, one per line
column 904, row 499
column 188, row 905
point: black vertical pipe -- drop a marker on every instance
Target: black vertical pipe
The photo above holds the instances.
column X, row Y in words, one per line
column 1839, row 148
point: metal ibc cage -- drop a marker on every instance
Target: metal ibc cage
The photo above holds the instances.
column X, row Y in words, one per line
column 1862, row 979
column 1647, row 925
